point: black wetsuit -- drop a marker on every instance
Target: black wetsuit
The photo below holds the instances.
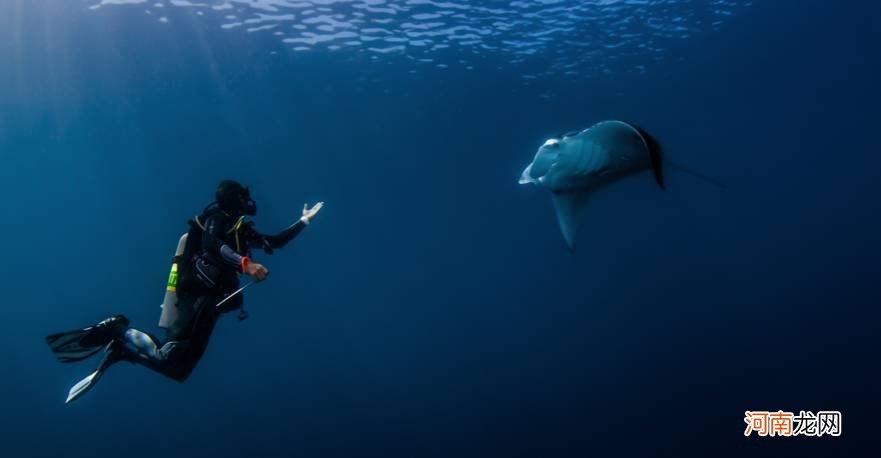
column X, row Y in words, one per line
column 211, row 274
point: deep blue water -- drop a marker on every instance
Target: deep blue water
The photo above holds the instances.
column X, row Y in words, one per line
column 432, row 309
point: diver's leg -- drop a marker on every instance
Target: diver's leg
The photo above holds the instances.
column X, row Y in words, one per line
column 133, row 346
column 179, row 355
column 176, row 359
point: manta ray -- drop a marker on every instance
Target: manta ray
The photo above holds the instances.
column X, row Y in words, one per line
column 578, row 164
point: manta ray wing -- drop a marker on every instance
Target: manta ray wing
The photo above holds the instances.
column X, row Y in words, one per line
column 569, row 206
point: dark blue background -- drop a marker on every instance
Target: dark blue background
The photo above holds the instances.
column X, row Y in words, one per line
column 432, row 309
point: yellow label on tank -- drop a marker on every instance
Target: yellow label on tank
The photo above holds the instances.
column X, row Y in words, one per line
column 172, row 279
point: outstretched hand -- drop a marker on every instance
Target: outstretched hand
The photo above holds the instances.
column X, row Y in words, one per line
column 310, row 213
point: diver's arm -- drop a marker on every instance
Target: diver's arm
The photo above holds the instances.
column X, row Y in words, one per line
column 230, row 256
column 282, row 238
column 212, row 240
column 254, row 269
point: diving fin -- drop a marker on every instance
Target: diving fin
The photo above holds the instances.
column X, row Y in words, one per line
column 67, row 349
column 112, row 354
column 83, row 386
column 77, row 345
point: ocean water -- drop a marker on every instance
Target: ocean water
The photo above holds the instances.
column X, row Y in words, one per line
column 432, row 309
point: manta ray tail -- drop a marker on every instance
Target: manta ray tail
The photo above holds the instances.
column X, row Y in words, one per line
column 656, row 153
column 696, row 174
column 569, row 206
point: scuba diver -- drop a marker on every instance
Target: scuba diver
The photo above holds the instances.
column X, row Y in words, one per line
column 202, row 285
